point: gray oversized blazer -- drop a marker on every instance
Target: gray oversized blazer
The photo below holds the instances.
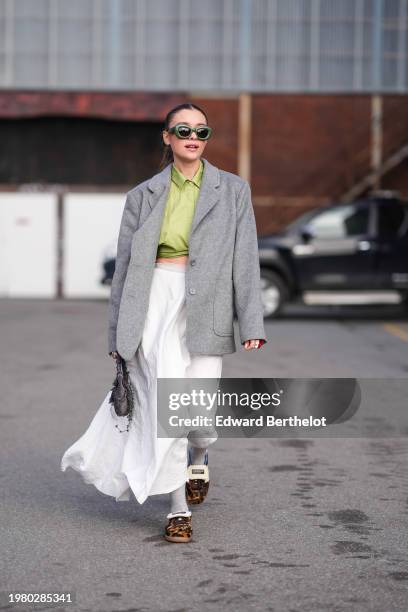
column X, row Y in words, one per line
column 222, row 277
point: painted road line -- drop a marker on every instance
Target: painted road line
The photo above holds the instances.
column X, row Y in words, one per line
column 396, row 330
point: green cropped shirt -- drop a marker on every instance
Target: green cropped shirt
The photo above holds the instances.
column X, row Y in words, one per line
column 179, row 213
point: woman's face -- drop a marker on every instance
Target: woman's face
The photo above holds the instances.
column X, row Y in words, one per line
column 194, row 118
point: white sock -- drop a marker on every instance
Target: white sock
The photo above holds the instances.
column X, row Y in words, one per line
column 178, row 500
column 198, row 455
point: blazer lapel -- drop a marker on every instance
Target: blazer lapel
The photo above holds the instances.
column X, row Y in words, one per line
column 209, row 194
column 157, row 184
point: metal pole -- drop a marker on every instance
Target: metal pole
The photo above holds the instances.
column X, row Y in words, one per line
column 60, row 244
column 376, row 99
column 378, row 11
column 114, row 46
column 244, row 102
column 244, row 135
column 245, row 44
column 376, row 138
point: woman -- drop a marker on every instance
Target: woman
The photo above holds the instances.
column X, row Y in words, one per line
column 187, row 261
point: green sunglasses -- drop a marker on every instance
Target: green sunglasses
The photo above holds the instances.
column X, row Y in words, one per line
column 181, row 130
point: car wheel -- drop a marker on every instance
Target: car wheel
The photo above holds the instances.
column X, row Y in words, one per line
column 273, row 292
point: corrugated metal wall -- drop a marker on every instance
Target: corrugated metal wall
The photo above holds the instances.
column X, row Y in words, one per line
column 205, row 45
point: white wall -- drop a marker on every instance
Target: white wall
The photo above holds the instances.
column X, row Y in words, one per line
column 91, row 227
column 28, row 245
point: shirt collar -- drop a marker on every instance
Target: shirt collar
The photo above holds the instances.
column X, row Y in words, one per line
column 180, row 179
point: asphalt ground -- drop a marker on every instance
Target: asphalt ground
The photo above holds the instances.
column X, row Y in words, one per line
column 295, row 524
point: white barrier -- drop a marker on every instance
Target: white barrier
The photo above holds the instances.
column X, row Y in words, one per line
column 28, row 245
column 91, row 228
column 29, row 251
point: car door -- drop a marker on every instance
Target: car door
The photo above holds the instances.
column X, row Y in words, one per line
column 391, row 255
column 333, row 250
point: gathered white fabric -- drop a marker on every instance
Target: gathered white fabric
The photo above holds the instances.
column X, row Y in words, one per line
column 118, row 463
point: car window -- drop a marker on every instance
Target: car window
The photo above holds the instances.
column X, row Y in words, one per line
column 390, row 218
column 341, row 222
column 299, row 222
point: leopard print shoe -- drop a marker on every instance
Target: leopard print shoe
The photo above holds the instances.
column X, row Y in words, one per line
column 196, row 490
column 179, row 527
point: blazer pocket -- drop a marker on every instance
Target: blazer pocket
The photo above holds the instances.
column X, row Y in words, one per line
column 223, row 307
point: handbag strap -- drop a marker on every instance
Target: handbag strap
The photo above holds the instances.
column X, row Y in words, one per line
column 121, row 368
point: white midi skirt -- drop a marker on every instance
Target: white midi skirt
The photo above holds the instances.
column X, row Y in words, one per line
column 120, row 462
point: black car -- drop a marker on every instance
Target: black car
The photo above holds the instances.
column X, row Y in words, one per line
column 361, row 246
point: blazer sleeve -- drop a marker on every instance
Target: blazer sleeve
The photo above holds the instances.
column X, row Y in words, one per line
column 128, row 226
column 246, row 271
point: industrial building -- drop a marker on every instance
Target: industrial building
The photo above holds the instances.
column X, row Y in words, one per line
column 307, row 99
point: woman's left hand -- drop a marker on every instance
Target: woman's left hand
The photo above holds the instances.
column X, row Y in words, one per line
column 251, row 344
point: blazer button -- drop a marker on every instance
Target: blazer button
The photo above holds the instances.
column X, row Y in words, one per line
column 192, row 291
column 193, row 262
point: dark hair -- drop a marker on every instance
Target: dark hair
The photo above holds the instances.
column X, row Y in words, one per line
column 167, row 156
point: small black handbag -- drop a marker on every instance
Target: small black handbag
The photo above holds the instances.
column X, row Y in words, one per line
column 122, row 397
